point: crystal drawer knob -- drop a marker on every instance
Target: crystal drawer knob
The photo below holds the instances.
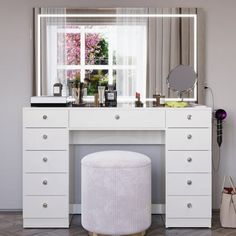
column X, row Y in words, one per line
column 45, row 205
column 189, row 159
column 45, row 117
column 189, row 205
column 45, row 159
column 189, row 117
column 45, row 136
column 189, row 182
column 45, row 182
column 189, row 136
column 117, row 117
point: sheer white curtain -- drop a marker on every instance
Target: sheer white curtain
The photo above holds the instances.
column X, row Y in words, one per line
column 52, row 54
column 170, row 43
column 131, row 53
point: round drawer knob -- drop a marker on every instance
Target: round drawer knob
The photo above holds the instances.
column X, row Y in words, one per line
column 117, row 117
column 189, row 159
column 189, row 117
column 189, row 136
column 189, row 182
column 45, row 136
column 189, row 205
column 45, row 117
column 45, row 205
column 45, row 159
column 45, row 182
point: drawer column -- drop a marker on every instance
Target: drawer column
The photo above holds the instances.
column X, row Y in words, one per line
column 45, row 168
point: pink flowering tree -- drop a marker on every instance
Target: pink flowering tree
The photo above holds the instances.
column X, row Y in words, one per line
column 96, row 53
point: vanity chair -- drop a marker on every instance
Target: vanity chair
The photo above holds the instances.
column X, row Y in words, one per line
column 116, row 193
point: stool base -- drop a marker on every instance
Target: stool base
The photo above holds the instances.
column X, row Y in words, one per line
column 136, row 234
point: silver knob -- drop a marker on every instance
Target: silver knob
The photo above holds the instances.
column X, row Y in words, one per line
column 45, row 205
column 45, row 182
column 117, row 117
column 189, row 182
column 45, row 136
column 189, row 205
column 189, row 117
column 189, row 159
column 189, row 136
column 45, row 117
column 45, row 159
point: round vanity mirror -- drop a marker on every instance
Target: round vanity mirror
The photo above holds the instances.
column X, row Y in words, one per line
column 182, row 79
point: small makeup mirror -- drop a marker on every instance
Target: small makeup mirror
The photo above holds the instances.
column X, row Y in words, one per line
column 182, row 79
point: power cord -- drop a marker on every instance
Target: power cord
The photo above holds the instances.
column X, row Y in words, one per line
column 215, row 168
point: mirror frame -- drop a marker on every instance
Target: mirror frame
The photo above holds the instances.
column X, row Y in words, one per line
column 195, row 38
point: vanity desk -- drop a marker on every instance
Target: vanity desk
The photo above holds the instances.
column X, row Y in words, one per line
column 49, row 132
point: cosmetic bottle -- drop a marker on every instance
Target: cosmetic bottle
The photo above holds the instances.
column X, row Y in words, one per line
column 110, row 97
column 160, row 100
column 138, row 103
column 101, row 91
column 57, row 89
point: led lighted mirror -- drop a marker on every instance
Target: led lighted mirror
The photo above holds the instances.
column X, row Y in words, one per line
column 134, row 49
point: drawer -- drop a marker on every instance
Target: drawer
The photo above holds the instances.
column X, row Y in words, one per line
column 116, row 118
column 46, row 184
column 45, row 139
column 46, row 207
column 188, row 139
column 188, row 207
column 188, row 161
column 188, row 184
column 45, row 118
column 45, row 161
column 188, row 118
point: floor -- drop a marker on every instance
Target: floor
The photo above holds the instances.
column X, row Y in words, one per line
column 11, row 225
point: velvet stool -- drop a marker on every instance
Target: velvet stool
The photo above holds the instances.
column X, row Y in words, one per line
column 116, row 193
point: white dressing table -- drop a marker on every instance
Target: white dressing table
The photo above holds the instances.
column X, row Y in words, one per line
column 48, row 133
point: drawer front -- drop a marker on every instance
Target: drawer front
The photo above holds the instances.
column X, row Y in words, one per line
column 46, row 207
column 188, row 118
column 45, row 139
column 188, row 161
column 188, row 207
column 45, row 161
column 117, row 118
column 188, row 139
column 45, row 118
column 46, row 184
column 188, row 184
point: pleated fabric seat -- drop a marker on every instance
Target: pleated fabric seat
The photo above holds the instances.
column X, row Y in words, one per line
column 116, row 192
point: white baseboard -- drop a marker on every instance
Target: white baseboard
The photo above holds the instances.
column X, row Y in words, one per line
column 156, row 208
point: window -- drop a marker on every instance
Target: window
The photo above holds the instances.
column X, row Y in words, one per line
column 100, row 54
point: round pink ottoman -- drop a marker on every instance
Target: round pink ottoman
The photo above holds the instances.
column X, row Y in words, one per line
column 116, row 192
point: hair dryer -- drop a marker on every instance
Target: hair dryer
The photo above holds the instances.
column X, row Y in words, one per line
column 220, row 115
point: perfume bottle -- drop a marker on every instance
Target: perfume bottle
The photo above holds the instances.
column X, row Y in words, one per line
column 110, row 97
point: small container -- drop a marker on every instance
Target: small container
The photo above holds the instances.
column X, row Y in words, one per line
column 57, row 89
column 111, row 97
column 160, row 100
column 101, row 90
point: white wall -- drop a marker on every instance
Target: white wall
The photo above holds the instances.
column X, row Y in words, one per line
column 16, row 76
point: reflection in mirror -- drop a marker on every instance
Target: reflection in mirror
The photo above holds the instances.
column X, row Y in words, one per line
column 135, row 49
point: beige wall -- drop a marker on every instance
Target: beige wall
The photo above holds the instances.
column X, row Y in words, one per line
column 16, row 76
